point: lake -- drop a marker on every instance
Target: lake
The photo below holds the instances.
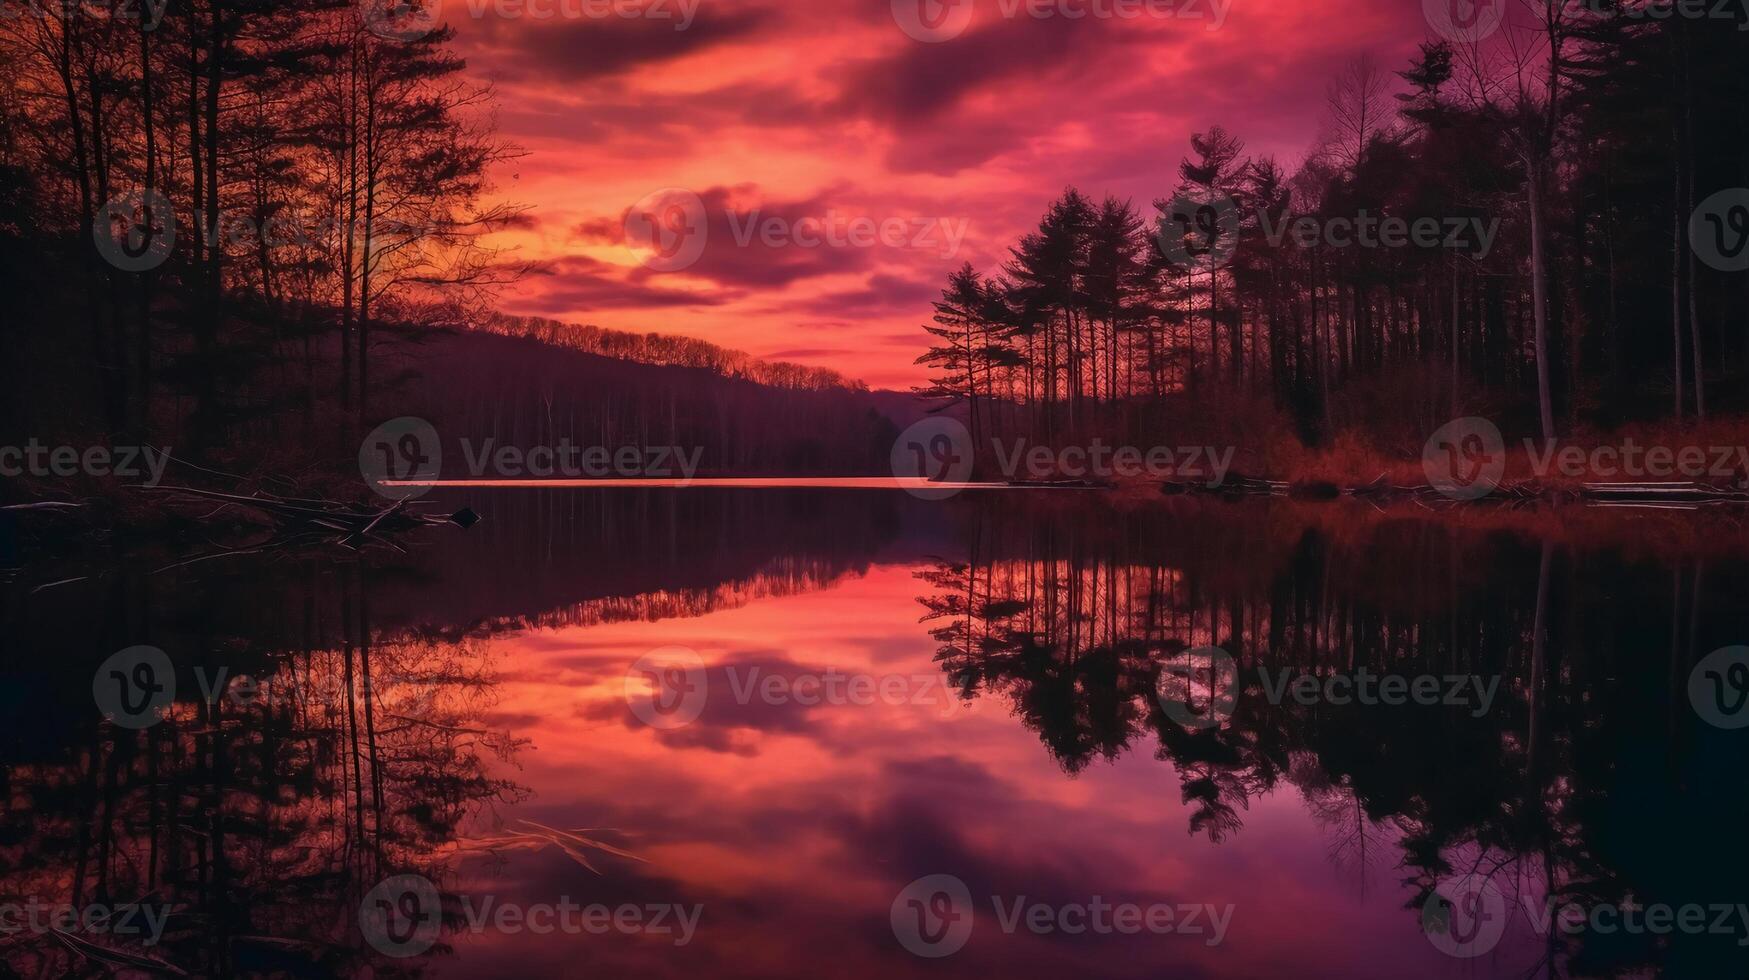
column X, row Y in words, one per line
column 796, row 731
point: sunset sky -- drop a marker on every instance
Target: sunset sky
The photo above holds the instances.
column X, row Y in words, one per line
column 829, row 109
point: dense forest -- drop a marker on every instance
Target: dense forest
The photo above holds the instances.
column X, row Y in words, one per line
column 252, row 230
column 1565, row 173
column 214, row 204
column 669, row 350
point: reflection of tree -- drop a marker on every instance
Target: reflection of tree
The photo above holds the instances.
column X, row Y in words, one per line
column 1564, row 788
column 263, row 815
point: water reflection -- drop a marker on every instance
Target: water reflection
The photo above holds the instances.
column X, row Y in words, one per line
column 459, row 713
column 1588, row 779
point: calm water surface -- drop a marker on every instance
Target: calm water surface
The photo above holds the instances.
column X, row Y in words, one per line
column 777, row 709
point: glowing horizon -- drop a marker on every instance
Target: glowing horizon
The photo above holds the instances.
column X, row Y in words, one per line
column 886, row 161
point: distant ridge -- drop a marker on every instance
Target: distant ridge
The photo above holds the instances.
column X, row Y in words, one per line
column 669, row 350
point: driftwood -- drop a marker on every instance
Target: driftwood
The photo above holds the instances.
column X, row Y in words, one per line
column 1064, row 484
column 42, row 505
column 355, row 524
column 1675, row 495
